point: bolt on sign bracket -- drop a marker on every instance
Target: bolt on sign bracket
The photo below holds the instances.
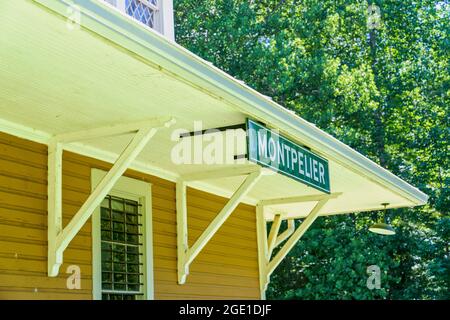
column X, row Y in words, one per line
column 186, row 254
column 267, row 243
column 59, row 237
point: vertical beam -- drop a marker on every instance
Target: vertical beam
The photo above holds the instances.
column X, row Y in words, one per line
column 182, row 231
column 106, row 184
column 263, row 260
column 274, row 233
column 223, row 215
column 54, row 204
column 295, row 236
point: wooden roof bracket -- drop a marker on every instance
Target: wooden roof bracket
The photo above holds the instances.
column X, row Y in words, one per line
column 266, row 244
column 186, row 254
column 59, row 237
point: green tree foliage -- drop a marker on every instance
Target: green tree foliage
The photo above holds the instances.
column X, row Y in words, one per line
column 384, row 90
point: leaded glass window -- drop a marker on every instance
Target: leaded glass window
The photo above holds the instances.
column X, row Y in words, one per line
column 121, row 249
column 142, row 10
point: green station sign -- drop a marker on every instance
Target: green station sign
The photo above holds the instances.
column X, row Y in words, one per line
column 269, row 149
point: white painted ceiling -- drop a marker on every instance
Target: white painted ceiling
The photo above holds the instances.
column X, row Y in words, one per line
column 59, row 80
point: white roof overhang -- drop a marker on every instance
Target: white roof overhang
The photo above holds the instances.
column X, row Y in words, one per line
column 55, row 78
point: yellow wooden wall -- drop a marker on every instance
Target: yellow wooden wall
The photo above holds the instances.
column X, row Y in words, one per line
column 226, row 269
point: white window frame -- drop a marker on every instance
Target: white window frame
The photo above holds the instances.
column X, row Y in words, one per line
column 134, row 190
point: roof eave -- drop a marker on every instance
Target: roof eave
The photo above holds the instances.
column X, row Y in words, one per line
column 123, row 31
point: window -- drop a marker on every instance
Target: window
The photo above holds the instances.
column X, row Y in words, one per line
column 145, row 11
column 121, row 249
column 122, row 241
column 142, row 10
column 155, row 14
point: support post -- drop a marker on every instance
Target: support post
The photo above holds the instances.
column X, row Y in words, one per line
column 182, row 230
column 263, row 252
column 54, row 204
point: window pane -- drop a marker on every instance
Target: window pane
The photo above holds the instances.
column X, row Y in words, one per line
column 119, row 278
column 117, row 226
column 104, row 213
column 106, row 224
column 106, row 246
column 133, row 268
column 120, row 287
column 131, row 238
column 120, row 267
column 118, row 236
column 106, row 277
column 117, row 205
column 132, row 228
column 133, row 249
column 132, row 219
column 119, row 248
column 118, row 257
column 106, row 235
column 130, row 208
column 133, row 287
column 133, row 278
column 107, row 286
column 118, row 216
column 132, row 258
column 106, row 256
column 106, row 266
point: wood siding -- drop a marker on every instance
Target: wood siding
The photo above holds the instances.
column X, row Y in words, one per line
column 226, row 269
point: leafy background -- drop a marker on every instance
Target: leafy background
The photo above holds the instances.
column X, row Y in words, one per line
column 384, row 91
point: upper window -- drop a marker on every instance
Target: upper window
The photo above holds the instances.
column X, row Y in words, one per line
column 145, row 11
column 155, row 14
column 142, row 10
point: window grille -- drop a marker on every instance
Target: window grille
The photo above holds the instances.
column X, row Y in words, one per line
column 121, row 249
column 142, row 10
column 145, row 11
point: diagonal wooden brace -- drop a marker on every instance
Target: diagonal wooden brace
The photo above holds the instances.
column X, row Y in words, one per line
column 185, row 254
column 266, row 245
column 287, row 233
column 58, row 237
column 274, row 233
column 276, row 239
